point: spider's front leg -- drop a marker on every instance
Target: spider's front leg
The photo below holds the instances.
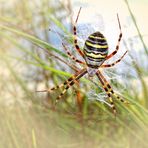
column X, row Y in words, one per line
column 75, row 36
column 118, row 43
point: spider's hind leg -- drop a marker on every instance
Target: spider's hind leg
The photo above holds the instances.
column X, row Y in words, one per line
column 120, row 98
column 104, row 84
column 74, row 80
column 110, row 90
column 50, row 90
column 114, row 63
column 67, row 84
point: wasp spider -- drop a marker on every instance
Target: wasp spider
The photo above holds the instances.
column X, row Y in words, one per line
column 95, row 53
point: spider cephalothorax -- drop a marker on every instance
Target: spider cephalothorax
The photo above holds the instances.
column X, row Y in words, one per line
column 94, row 53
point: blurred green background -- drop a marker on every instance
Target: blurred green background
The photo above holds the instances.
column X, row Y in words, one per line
column 32, row 58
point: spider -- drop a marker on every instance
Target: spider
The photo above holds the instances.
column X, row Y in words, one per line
column 95, row 53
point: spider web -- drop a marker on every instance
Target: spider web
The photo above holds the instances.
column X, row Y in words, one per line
column 102, row 97
column 109, row 75
column 85, row 29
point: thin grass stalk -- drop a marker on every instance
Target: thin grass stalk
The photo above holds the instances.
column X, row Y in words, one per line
column 138, row 30
column 138, row 71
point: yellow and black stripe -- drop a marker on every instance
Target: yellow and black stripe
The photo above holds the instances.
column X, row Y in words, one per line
column 95, row 50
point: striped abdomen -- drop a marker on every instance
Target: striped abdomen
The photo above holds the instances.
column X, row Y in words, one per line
column 95, row 50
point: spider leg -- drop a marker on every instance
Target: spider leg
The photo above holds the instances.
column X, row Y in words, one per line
column 107, row 87
column 70, row 83
column 58, row 86
column 63, row 84
column 114, row 63
column 104, row 84
column 75, row 36
column 118, row 43
column 71, row 56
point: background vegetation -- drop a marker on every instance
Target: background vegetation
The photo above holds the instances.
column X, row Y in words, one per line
column 31, row 59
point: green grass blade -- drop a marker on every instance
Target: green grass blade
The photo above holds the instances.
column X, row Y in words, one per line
column 34, row 40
